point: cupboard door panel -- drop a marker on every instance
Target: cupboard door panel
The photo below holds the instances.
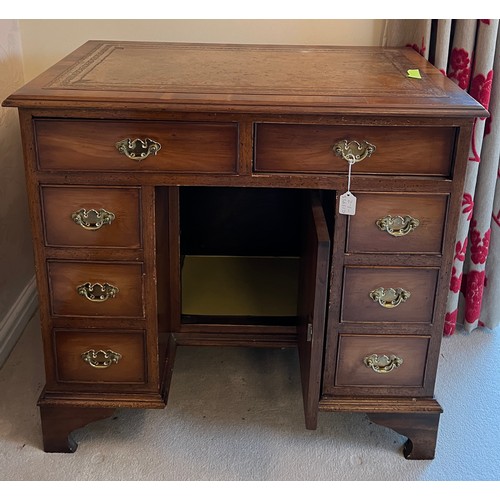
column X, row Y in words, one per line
column 313, row 285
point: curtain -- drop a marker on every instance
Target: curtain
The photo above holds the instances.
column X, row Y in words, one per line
column 468, row 52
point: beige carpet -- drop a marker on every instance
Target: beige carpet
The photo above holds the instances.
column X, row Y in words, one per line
column 236, row 414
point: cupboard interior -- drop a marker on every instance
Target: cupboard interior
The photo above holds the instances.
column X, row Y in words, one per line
column 242, row 253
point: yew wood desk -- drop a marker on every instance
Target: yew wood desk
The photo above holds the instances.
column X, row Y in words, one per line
column 189, row 194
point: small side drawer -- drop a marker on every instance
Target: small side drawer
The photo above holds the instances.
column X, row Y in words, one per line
column 294, row 148
column 403, row 367
column 368, row 294
column 100, row 356
column 90, row 145
column 91, row 216
column 397, row 223
column 96, row 289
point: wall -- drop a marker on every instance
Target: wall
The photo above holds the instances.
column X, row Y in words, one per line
column 16, row 255
column 46, row 41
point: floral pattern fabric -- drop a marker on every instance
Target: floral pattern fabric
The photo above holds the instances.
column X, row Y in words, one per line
column 472, row 61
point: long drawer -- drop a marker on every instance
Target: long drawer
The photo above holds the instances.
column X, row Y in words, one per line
column 107, row 145
column 381, row 360
column 91, row 216
column 397, row 223
column 388, row 294
column 96, row 289
column 398, row 150
column 100, row 356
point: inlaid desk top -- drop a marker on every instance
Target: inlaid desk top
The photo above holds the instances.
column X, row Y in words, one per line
column 190, row 77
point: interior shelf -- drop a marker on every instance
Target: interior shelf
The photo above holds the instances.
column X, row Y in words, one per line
column 214, row 285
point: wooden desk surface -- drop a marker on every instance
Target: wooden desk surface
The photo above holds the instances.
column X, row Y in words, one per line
column 250, row 78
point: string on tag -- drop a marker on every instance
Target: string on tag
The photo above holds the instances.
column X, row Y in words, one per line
column 351, row 163
column 347, row 201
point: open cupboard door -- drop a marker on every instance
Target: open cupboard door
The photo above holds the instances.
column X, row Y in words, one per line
column 313, row 292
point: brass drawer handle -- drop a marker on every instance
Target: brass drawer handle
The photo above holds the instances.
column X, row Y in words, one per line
column 97, row 292
column 92, row 219
column 100, row 358
column 353, row 151
column 389, row 297
column 383, row 363
column 138, row 149
column 399, row 225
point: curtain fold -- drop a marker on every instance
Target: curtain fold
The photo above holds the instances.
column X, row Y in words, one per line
column 468, row 52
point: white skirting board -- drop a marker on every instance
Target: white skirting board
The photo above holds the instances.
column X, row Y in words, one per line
column 16, row 319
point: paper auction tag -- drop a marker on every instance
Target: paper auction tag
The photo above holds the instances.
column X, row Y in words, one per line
column 347, row 204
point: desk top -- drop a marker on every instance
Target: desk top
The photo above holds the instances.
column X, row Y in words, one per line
column 251, row 78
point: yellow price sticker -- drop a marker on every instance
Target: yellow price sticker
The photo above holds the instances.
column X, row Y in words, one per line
column 414, row 73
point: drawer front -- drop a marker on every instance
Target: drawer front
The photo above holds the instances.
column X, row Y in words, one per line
column 100, row 356
column 393, row 223
column 381, row 360
column 96, row 289
column 309, row 149
column 388, row 294
column 91, row 216
column 92, row 145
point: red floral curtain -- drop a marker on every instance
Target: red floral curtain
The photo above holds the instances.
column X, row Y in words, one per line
column 468, row 52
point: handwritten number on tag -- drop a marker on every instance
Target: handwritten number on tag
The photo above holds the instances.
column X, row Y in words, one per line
column 347, row 204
